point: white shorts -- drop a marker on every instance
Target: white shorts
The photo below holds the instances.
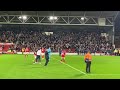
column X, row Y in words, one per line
column 26, row 52
column 42, row 54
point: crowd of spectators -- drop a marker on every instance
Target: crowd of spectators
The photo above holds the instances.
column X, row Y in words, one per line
column 70, row 41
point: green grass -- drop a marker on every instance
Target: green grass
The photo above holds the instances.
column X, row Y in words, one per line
column 16, row 67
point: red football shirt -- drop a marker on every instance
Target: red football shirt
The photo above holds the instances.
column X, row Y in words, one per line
column 26, row 50
column 43, row 50
column 63, row 53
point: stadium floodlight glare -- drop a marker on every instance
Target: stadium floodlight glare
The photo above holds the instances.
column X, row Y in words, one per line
column 24, row 17
column 82, row 18
column 51, row 18
column 20, row 17
column 55, row 17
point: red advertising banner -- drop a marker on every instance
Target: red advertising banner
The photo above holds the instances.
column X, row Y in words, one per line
column 6, row 44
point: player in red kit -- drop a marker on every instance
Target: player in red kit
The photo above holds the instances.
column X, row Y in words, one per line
column 43, row 52
column 63, row 54
column 26, row 52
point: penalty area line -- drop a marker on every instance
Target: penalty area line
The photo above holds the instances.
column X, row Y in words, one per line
column 72, row 67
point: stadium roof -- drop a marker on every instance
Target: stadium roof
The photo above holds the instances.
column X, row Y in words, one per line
column 63, row 13
column 62, row 17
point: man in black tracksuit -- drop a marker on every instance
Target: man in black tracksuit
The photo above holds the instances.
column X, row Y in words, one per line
column 46, row 57
column 60, row 50
column 78, row 50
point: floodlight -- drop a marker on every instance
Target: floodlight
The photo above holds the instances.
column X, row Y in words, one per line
column 82, row 18
column 24, row 17
column 51, row 18
column 55, row 17
column 20, row 17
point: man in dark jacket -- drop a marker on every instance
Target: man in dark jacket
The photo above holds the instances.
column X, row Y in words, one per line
column 60, row 50
column 78, row 50
column 46, row 57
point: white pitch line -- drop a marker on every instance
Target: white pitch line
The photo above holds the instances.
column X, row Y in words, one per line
column 72, row 67
column 82, row 71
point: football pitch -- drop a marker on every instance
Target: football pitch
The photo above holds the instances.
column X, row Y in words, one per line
column 16, row 67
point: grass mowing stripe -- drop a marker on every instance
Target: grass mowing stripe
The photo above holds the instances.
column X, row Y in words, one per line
column 104, row 74
column 72, row 67
column 82, row 71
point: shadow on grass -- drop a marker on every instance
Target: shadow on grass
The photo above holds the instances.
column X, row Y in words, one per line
column 78, row 75
column 31, row 66
column 36, row 67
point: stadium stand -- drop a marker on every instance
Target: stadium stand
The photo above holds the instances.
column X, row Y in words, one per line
column 23, row 36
